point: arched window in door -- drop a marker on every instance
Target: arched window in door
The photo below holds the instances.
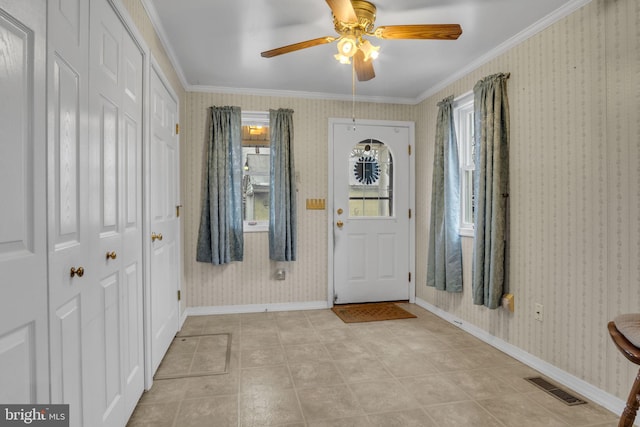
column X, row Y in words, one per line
column 370, row 180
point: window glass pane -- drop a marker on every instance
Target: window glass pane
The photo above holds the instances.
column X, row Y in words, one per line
column 370, row 180
column 468, row 197
column 464, row 122
column 255, row 173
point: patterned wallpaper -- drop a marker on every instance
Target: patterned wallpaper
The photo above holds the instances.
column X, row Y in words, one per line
column 574, row 95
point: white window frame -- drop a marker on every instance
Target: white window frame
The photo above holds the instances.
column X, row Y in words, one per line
column 463, row 121
column 255, row 118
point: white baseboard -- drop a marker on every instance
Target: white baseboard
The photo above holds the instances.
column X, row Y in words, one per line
column 591, row 392
column 183, row 317
column 255, row 308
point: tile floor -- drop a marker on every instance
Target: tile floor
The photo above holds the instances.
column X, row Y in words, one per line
column 308, row 368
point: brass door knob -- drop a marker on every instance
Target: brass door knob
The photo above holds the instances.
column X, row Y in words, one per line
column 339, row 224
column 77, row 271
column 339, row 211
column 155, row 236
column 111, row 255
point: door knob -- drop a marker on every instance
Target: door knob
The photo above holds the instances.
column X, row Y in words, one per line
column 155, row 236
column 340, row 211
column 77, row 272
column 339, row 224
column 111, row 255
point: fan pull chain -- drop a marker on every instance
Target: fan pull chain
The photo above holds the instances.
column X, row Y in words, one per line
column 353, row 93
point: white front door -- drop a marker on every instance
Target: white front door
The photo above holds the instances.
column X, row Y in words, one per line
column 114, row 331
column 371, row 172
column 165, row 225
column 24, row 352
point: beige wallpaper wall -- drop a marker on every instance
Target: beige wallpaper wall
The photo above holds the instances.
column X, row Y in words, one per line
column 251, row 281
column 574, row 94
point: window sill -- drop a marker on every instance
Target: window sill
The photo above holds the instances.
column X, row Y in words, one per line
column 255, row 226
column 466, row 232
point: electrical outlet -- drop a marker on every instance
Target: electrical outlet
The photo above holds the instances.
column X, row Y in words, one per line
column 538, row 312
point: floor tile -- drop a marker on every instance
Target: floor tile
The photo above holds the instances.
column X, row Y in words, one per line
column 382, row 396
column 511, row 410
column 306, row 352
column 269, row 408
column 463, row 414
column 434, row 389
column 210, row 385
column 361, row 421
column 574, row 415
column 266, row 356
column 219, row 410
column 165, row 391
column 321, row 403
column 480, row 384
column 315, row 373
column 265, row 379
column 154, row 415
column 408, row 418
column 361, row 369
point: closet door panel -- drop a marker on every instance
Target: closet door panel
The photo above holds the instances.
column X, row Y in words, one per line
column 24, row 364
column 68, row 171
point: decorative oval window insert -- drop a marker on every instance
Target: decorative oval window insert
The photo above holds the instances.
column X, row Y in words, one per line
column 367, row 170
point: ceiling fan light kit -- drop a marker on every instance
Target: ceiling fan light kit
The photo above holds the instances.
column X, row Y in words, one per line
column 353, row 19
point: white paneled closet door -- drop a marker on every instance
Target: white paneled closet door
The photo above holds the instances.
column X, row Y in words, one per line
column 165, row 225
column 95, row 121
column 24, row 368
column 68, row 203
column 115, row 329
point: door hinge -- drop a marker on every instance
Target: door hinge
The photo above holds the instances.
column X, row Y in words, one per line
column 177, row 129
column 409, row 276
column 179, row 296
column 409, row 149
column 409, row 213
column 178, row 211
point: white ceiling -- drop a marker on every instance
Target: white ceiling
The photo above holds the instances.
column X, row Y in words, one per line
column 215, row 45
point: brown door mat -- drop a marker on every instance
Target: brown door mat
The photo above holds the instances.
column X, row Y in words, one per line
column 370, row 312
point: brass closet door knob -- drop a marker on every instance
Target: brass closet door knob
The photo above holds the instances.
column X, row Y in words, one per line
column 111, row 255
column 77, row 271
column 155, row 236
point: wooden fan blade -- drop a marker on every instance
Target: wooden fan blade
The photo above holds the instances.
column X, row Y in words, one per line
column 364, row 69
column 426, row 31
column 297, row 46
column 343, row 11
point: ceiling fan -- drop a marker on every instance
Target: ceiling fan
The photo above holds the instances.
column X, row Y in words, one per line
column 354, row 19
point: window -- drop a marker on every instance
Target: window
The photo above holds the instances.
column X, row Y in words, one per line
column 463, row 118
column 255, row 170
column 370, row 180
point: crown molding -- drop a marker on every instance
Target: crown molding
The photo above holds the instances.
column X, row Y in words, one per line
column 298, row 94
column 164, row 40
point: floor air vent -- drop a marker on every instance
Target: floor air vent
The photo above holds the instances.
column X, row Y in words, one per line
column 556, row 392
